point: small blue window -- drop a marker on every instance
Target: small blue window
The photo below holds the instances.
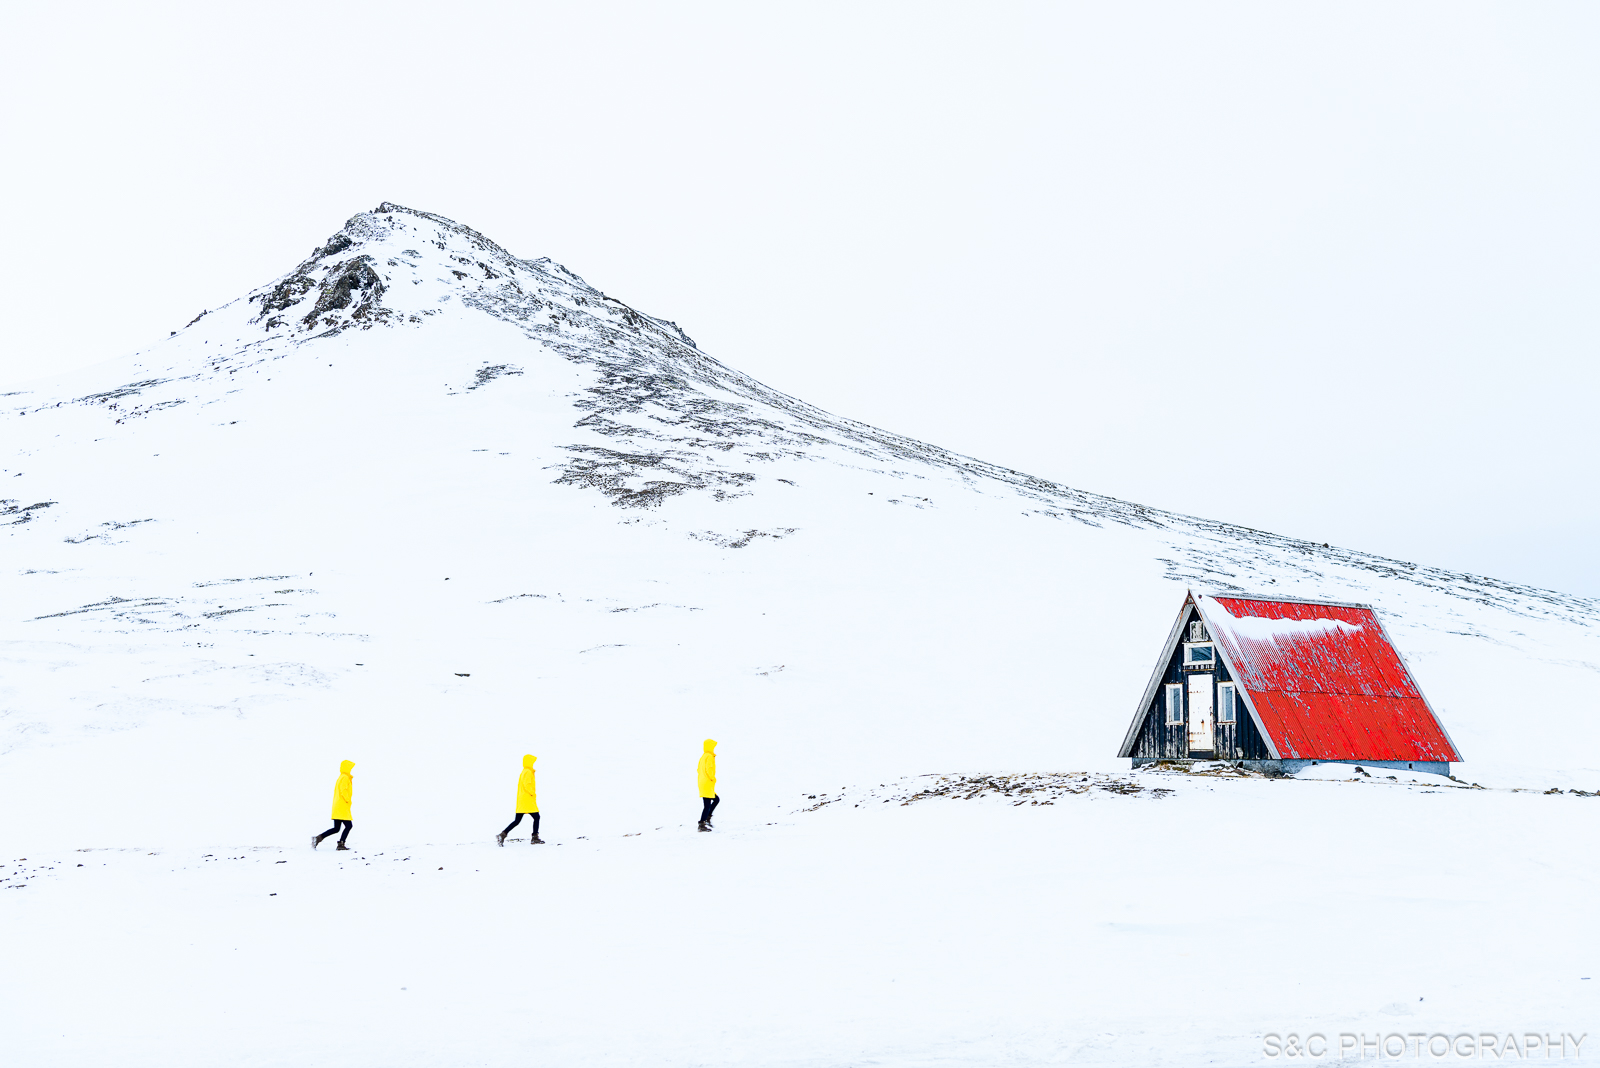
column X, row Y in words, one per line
column 1203, row 654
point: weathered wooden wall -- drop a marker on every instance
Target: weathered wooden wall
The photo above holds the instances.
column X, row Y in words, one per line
column 1235, row 741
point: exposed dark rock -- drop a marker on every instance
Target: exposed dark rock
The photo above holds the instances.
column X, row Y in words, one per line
column 610, row 472
column 338, row 289
column 287, row 293
column 336, row 243
column 20, row 513
column 485, row 375
column 128, row 390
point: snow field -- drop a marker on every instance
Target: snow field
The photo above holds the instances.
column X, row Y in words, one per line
column 940, row 932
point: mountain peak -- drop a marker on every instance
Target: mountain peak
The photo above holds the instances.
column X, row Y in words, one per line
column 395, row 265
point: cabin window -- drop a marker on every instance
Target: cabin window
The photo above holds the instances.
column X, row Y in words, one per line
column 1226, row 698
column 1199, row 654
column 1197, row 632
column 1174, row 704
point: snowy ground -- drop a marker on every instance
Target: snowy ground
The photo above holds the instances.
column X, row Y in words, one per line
column 480, row 509
column 1102, row 928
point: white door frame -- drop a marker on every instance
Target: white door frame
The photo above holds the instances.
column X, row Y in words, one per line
column 1202, row 699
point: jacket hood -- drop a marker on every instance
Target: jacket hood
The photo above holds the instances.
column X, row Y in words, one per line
column 528, row 759
column 711, row 745
column 344, row 767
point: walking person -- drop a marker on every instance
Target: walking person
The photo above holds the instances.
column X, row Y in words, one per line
column 708, row 784
column 343, row 789
column 527, row 803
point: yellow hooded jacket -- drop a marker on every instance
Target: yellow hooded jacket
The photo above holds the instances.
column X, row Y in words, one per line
column 343, row 789
column 708, row 770
column 527, row 797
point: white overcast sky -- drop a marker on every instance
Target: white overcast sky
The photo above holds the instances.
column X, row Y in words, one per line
column 1323, row 269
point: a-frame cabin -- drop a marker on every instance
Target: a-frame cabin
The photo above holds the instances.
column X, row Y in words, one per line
column 1283, row 683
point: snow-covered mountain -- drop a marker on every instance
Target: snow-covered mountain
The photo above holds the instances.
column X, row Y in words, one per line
column 418, row 480
column 427, row 506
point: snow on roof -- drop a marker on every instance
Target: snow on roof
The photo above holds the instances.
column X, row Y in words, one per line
column 1324, row 681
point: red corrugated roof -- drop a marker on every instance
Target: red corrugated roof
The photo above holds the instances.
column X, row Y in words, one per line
column 1324, row 681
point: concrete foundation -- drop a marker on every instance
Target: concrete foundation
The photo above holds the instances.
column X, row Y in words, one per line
column 1291, row 767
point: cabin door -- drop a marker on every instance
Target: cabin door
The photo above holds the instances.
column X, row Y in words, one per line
column 1201, row 737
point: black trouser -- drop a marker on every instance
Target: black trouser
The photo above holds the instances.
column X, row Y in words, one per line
column 708, row 805
column 334, row 829
column 512, row 825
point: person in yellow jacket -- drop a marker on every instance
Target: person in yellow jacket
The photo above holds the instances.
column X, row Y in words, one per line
column 527, row 802
column 708, row 784
column 343, row 790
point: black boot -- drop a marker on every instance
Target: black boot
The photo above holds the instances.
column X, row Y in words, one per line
column 500, row 839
